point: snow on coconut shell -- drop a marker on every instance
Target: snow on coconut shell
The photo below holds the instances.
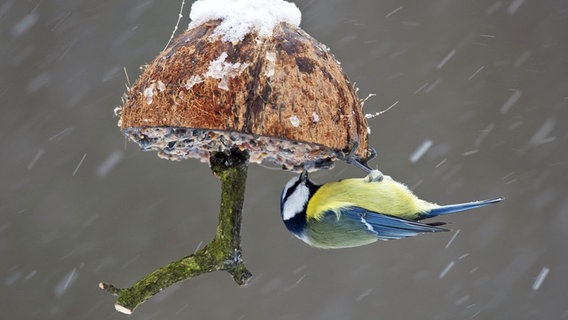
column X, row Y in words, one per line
column 284, row 98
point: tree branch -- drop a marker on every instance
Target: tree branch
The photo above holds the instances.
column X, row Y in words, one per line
column 222, row 253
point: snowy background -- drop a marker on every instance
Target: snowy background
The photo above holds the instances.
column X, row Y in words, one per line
column 482, row 111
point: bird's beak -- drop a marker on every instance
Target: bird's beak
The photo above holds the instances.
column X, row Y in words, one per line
column 304, row 176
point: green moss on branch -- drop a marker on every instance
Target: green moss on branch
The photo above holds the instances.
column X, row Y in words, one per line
column 222, row 253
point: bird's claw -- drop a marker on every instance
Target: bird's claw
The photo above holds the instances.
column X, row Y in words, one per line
column 374, row 176
column 351, row 158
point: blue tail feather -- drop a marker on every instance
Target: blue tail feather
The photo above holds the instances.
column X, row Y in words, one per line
column 453, row 208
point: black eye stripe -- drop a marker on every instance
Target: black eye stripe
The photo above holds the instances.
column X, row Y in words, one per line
column 291, row 190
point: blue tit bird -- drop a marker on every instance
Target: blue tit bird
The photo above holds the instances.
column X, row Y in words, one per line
column 354, row 212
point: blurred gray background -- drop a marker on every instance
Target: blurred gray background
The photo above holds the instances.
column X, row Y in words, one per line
column 482, row 91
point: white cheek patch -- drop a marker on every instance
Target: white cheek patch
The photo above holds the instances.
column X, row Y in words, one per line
column 295, row 202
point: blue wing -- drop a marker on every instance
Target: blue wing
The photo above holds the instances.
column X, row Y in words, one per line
column 387, row 227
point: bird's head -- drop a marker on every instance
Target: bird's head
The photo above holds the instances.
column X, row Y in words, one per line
column 294, row 201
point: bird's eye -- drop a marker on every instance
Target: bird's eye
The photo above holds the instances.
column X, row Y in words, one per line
column 289, row 191
column 289, row 188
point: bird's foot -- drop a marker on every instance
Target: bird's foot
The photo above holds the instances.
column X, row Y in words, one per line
column 360, row 163
column 375, row 176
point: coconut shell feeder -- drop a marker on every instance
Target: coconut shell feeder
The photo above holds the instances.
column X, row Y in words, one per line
column 284, row 99
column 280, row 98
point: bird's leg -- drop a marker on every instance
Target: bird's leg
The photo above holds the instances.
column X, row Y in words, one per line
column 351, row 158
